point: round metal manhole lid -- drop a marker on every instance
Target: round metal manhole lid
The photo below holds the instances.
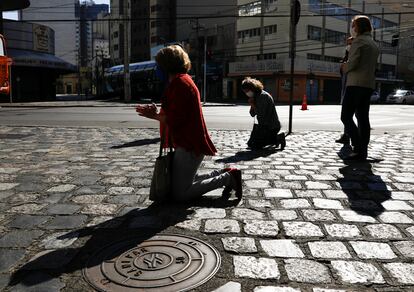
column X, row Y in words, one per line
column 160, row 263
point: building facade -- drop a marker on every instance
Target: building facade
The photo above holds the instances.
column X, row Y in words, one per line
column 63, row 18
column 263, row 45
column 35, row 68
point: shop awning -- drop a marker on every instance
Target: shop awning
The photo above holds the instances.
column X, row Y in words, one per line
column 28, row 58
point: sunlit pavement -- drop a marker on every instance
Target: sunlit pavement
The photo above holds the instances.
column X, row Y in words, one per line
column 307, row 220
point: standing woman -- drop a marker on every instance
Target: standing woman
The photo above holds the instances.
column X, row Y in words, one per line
column 181, row 118
column 360, row 84
column 263, row 107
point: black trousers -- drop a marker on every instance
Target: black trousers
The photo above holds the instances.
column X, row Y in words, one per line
column 356, row 102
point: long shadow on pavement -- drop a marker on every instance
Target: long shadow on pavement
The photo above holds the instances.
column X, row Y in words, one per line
column 135, row 227
column 365, row 190
column 137, row 143
column 248, row 155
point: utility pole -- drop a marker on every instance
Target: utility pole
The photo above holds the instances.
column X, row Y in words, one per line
column 323, row 31
column 294, row 18
column 262, row 33
column 205, row 67
column 398, row 47
column 127, row 80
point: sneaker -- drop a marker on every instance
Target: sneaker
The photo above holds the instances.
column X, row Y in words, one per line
column 282, row 140
column 343, row 140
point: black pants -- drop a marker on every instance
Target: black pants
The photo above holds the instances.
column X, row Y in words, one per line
column 356, row 102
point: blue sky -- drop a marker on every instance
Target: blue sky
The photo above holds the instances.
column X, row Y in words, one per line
column 13, row 14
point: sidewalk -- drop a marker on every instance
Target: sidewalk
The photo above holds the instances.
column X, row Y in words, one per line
column 89, row 103
column 307, row 221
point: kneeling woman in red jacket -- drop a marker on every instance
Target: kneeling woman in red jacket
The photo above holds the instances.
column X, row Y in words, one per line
column 182, row 115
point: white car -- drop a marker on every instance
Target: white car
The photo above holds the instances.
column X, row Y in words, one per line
column 401, row 96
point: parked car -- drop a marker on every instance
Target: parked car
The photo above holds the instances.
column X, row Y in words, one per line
column 375, row 97
column 401, row 96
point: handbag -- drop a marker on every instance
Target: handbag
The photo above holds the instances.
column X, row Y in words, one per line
column 161, row 183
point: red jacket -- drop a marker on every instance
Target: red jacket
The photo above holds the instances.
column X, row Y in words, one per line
column 185, row 118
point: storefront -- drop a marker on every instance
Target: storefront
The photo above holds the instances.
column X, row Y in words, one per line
column 35, row 68
column 319, row 81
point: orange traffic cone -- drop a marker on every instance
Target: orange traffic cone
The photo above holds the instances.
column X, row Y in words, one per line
column 304, row 103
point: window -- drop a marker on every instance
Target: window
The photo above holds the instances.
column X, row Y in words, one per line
column 314, row 33
column 335, row 37
column 249, row 9
column 116, row 47
column 115, row 34
column 270, row 29
column 268, row 56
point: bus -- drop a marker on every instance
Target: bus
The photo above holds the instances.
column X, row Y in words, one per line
column 144, row 83
column 4, row 68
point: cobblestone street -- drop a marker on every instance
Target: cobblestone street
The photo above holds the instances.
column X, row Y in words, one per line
column 307, row 220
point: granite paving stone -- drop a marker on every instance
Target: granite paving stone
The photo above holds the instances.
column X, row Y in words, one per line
column 63, row 209
column 301, row 229
column 294, row 203
column 38, row 282
column 19, row 238
column 278, row 193
column 395, row 217
column 9, row 258
column 283, row 214
column 243, row 213
column 307, row 220
column 229, row 287
column 28, row 221
column 307, row 271
column 210, row 213
column 66, row 222
column 284, row 248
column 343, row 230
column 255, row 268
column 329, row 250
column 403, row 272
column 372, row 250
column 221, row 226
column 357, row 272
column 318, row 215
column 275, row 289
column 239, row 244
column 383, row 231
column 406, row 248
column 269, row 228
column 352, row 216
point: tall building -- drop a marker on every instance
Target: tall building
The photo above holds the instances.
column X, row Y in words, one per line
column 63, row 17
column 263, row 46
column 89, row 12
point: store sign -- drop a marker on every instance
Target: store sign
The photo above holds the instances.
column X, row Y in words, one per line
column 256, row 67
column 271, row 66
column 41, row 38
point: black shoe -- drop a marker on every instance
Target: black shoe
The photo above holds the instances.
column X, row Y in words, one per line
column 343, row 140
column 282, row 141
column 356, row 157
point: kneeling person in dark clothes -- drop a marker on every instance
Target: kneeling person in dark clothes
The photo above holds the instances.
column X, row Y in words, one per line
column 262, row 106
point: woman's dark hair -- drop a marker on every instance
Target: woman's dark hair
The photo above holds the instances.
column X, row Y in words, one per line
column 173, row 59
column 252, row 84
column 362, row 23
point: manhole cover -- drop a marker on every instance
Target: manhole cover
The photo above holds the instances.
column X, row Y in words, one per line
column 160, row 263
